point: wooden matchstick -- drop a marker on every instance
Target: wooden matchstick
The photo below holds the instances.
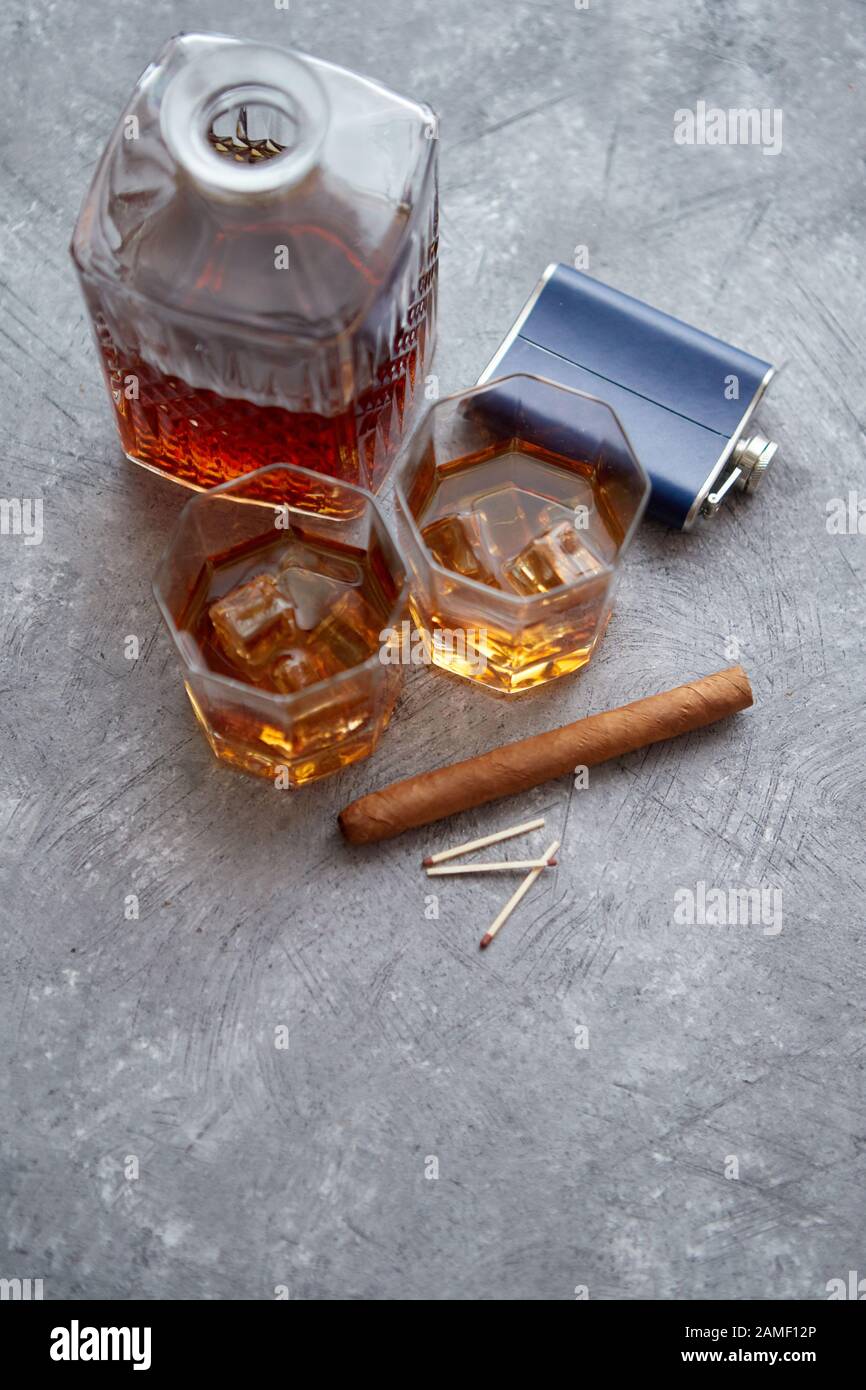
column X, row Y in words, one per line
column 517, row 897
column 484, row 841
column 500, row 867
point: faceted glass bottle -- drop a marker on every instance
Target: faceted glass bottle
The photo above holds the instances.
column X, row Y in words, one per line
column 258, row 254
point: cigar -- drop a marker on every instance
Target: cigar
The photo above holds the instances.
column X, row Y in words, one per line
column 515, row 767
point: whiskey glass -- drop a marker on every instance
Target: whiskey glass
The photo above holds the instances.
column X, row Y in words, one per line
column 280, row 590
column 516, row 502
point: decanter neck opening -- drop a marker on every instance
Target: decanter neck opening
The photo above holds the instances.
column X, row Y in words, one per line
column 245, row 121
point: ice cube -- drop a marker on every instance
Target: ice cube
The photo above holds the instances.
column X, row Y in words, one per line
column 504, row 525
column 347, row 635
column 558, row 556
column 455, row 543
column 295, row 669
column 310, row 593
column 297, row 554
column 252, row 620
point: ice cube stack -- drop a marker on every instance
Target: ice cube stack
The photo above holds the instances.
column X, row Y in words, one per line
column 288, row 627
column 515, row 540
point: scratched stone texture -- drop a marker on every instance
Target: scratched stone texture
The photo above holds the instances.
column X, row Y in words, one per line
column 558, row 1167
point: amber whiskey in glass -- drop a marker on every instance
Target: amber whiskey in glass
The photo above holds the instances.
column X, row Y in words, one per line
column 516, row 502
column 279, row 611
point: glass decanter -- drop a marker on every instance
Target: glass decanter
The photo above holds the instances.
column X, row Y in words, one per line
column 258, row 254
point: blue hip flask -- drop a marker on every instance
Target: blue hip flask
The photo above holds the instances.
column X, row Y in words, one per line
column 683, row 397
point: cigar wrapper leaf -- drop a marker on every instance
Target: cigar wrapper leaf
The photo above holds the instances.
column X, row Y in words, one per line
column 516, row 767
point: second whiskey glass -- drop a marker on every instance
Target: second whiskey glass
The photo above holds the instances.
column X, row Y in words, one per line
column 516, row 503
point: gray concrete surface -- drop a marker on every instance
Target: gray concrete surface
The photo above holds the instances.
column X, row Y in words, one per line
column 559, row 1167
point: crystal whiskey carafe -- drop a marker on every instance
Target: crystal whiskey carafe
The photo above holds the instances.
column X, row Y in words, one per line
column 258, row 254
